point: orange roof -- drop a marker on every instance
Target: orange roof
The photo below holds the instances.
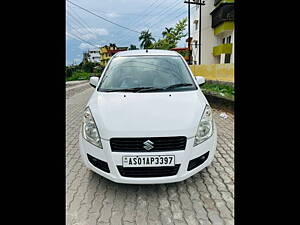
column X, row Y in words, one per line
column 179, row 49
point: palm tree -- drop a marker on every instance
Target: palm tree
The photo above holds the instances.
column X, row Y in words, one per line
column 146, row 38
column 167, row 31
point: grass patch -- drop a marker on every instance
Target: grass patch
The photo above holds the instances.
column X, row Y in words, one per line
column 79, row 75
column 224, row 91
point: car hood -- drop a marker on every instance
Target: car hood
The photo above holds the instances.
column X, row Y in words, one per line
column 147, row 114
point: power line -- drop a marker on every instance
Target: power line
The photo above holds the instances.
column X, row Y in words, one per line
column 140, row 21
column 75, row 36
column 80, row 20
column 78, row 34
column 159, row 14
column 103, row 18
column 78, row 38
column 172, row 19
column 83, row 30
column 70, row 22
column 82, row 24
column 143, row 13
column 156, row 36
column 164, row 11
column 136, row 20
column 166, row 17
column 126, row 14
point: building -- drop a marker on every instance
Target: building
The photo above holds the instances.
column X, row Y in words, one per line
column 106, row 52
column 104, row 55
column 85, row 57
column 91, row 56
column 94, row 56
column 217, row 32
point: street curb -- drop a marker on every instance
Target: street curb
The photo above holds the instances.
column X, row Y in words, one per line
column 77, row 89
column 220, row 103
column 231, row 84
column 69, row 84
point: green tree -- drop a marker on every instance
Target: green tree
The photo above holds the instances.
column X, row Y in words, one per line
column 163, row 44
column 146, row 38
column 167, row 31
column 171, row 36
column 88, row 67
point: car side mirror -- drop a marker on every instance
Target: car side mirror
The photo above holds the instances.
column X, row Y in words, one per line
column 200, row 80
column 94, row 81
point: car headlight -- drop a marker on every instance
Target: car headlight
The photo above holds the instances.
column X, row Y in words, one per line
column 89, row 129
column 205, row 128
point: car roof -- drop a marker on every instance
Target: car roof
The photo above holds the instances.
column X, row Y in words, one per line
column 145, row 52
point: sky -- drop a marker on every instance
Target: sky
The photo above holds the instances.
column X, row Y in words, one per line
column 86, row 31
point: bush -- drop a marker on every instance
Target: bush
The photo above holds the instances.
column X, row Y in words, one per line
column 81, row 71
column 79, row 75
column 88, row 67
column 226, row 91
column 219, row 88
column 69, row 71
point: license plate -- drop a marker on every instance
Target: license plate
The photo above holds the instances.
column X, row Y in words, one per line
column 148, row 161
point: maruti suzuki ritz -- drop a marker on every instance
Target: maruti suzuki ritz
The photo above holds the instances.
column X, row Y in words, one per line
column 147, row 122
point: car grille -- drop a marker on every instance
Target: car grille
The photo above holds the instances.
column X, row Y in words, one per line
column 148, row 171
column 137, row 144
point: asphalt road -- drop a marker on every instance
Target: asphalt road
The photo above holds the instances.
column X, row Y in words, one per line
column 205, row 198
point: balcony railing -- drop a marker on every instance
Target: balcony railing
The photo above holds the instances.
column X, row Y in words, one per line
column 222, row 49
column 223, row 13
column 225, row 26
column 223, row 1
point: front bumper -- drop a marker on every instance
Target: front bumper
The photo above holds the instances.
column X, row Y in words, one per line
column 114, row 159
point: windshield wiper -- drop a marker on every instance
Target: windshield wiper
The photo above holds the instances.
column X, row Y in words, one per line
column 178, row 85
column 149, row 89
column 135, row 89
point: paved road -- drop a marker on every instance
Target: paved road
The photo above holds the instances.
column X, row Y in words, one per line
column 205, row 198
column 75, row 83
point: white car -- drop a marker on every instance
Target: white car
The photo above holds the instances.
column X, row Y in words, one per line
column 147, row 122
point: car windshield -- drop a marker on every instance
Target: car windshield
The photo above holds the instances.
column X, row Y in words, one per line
column 147, row 73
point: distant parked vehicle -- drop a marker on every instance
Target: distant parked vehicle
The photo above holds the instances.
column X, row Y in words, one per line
column 147, row 121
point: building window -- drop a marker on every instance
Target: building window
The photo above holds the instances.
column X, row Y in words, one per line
column 223, row 41
column 227, row 58
column 228, row 39
column 196, row 44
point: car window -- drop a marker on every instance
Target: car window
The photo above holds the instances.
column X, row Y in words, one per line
column 146, row 71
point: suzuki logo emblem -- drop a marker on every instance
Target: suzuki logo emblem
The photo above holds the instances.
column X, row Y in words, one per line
column 148, row 145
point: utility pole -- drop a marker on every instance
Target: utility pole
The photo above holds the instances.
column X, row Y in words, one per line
column 189, row 31
column 200, row 4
